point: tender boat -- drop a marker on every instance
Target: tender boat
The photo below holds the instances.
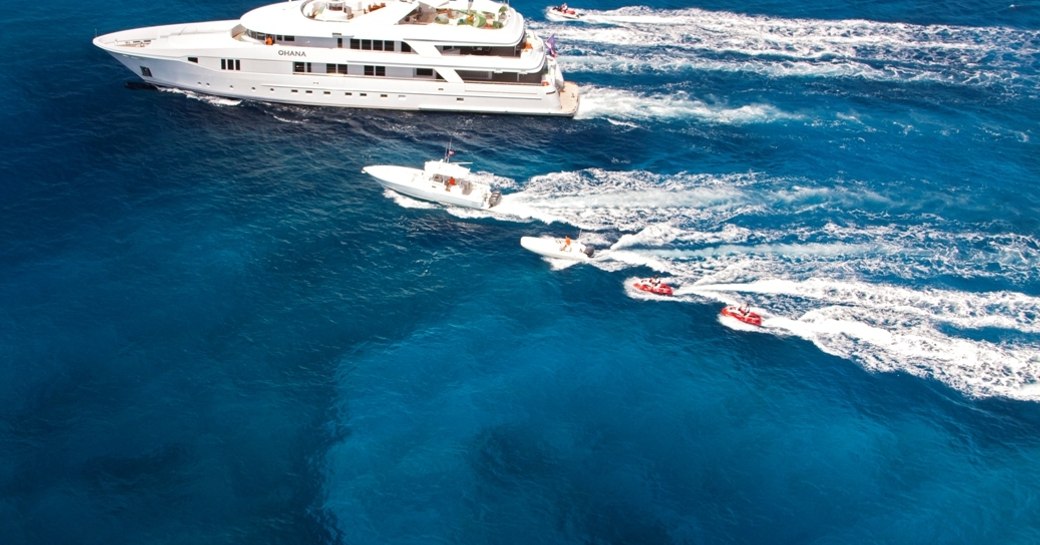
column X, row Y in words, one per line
column 653, row 286
column 558, row 248
column 443, row 55
column 439, row 181
column 562, row 13
column 743, row 314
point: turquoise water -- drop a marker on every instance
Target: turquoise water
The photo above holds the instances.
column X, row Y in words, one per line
column 215, row 329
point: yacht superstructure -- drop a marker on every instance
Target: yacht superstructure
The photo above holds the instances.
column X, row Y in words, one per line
column 454, row 55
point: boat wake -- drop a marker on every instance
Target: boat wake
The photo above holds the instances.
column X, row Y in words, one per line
column 642, row 40
column 208, row 99
column 620, row 104
column 870, row 290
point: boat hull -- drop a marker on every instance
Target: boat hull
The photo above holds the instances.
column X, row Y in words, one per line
column 555, row 248
column 659, row 289
column 750, row 318
column 561, row 17
column 189, row 57
column 414, row 182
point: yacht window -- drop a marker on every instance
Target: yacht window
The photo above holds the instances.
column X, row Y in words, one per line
column 424, row 72
column 193, row 59
column 355, row 43
column 301, row 66
column 290, row 38
column 405, row 48
column 388, row 45
column 377, row 45
column 339, row 42
column 146, row 72
column 366, row 45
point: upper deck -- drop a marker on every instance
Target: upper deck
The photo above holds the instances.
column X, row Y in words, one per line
column 480, row 22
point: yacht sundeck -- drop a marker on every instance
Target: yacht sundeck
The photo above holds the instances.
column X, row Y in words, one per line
column 454, row 55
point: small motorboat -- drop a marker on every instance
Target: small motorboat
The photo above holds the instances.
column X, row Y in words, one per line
column 439, row 181
column 743, row 314
column 558, row 248
column 562, row 13
column 654, row 286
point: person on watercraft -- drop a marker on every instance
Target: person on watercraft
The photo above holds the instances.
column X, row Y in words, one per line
column 566, row 244
column 744, row 309
column 655, row 281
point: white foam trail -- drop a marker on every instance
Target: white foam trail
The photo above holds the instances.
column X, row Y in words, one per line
column 604, row 102
column 405, row 201
column 920, row 332
column 806, row 276
column 695, row 39
column 208, row 99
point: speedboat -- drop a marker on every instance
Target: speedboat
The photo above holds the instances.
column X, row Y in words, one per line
column 419, row 55
column 653, row 286
column 558, row 248
column 562, row 13
column 439, row 181
column 743, row 314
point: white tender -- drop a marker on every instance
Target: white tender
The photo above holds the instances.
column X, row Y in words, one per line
column 558, row 248
column 439, row 181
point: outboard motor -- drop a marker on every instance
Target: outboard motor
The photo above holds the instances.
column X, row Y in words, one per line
column 589, row 250
column 494, row 198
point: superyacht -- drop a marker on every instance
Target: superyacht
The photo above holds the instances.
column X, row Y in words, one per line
column 453, row 55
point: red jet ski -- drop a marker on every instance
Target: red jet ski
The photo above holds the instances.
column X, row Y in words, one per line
column 743, row 314
column 655, row 287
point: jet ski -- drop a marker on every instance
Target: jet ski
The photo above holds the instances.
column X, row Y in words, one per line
column 650, row 285
column 562, row 13
column 742, row 313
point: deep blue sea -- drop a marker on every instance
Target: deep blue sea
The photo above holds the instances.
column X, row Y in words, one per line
column 215, row 329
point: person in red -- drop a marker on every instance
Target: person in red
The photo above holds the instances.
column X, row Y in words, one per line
column 566, row 244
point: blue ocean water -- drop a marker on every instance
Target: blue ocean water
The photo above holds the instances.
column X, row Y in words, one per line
column 215, row 329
